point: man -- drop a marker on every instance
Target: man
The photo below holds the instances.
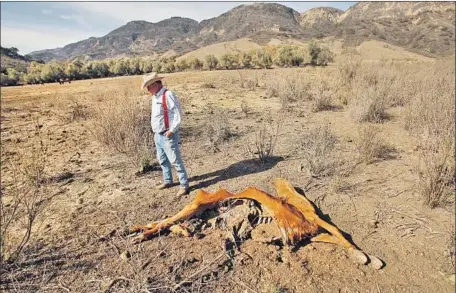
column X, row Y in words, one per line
column 166, row 118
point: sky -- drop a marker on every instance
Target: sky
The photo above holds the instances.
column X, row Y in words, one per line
column 32, row 26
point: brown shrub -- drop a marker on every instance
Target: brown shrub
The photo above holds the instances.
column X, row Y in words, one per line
column 245, row 108
column 318, row 146
column 209, row 83
column 217, row 128
column 122, row 123
column 322, row 97
column 78, row 111
column 368, row 105
column 292, row 88
column 371, row 146
column 349, row 68
column 266, row 139
column 436, row 174
column 430, row 118
column 24, row 198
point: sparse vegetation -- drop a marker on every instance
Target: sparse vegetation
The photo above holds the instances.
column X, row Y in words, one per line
column 371, row 146
column 436, row 173
column 430, row 118
column 293, row 88
column 317, row 147
column 122, row 123
column 26, row 198
column 217, row 129
column 266, row 139
column 245, row 108
column 322, row 95
column 78, row 110
column 104, row 197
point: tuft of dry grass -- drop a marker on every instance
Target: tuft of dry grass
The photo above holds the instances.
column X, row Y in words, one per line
column 217, row 129
column 318, row 146
column 245, row 108
column 122, row 123
column 248, row 82
column 78, row 111
column 322, row 96
column 436, row 176
column 209, row 83
column 266, row 139
column 349, row 68
column 292, row 88
column 368, row 106
column 371, row 146
column 338, row 184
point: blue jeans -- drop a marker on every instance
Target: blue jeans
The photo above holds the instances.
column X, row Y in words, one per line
column 168, row 154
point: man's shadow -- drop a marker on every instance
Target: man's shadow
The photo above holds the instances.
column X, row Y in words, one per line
column 235, row 170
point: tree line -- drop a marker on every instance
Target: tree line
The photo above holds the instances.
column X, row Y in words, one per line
column 266, row 57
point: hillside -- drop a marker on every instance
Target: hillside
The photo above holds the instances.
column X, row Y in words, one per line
column 11, row 59
column 322, row 19
column 423, row 27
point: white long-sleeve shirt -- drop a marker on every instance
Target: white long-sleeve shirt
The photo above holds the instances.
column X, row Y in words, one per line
column 174, row 112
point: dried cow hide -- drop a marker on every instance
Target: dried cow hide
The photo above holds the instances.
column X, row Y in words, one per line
column 293, row 213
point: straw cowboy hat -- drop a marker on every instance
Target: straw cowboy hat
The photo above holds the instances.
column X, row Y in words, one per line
column 150, row 79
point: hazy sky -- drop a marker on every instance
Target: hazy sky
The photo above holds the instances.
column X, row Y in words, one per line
column 31, row 26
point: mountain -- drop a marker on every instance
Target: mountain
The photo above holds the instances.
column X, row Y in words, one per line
column 133, row 38
column 424, row 27
column 321, row 19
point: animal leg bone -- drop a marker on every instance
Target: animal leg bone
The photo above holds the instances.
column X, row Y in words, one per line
column 289, row 193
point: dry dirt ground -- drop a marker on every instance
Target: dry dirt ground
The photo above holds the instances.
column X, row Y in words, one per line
column 78, row 246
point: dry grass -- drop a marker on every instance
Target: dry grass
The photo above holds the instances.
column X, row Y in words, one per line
column 349, row 68
column 371, row 146
column 318, row 146
column 293, row 88
column 430, row 114
column 245, row 108
column 367, row 106
column 78, row 111
column 217, row 129
column 266, row 140
column 436, row 173
column 322, row 95
column 370, row 93
column 209, row 83
column 339, row 184
column 122, row 123
column 25, row 197
column 248, row 82
column 430, row 118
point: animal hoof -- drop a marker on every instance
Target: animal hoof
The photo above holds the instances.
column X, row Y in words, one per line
column 375, row 262
column 359, row 257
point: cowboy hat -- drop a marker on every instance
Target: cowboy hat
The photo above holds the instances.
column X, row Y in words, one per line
column 150, row 78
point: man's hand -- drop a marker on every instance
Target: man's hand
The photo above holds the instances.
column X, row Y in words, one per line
column 168, row 133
